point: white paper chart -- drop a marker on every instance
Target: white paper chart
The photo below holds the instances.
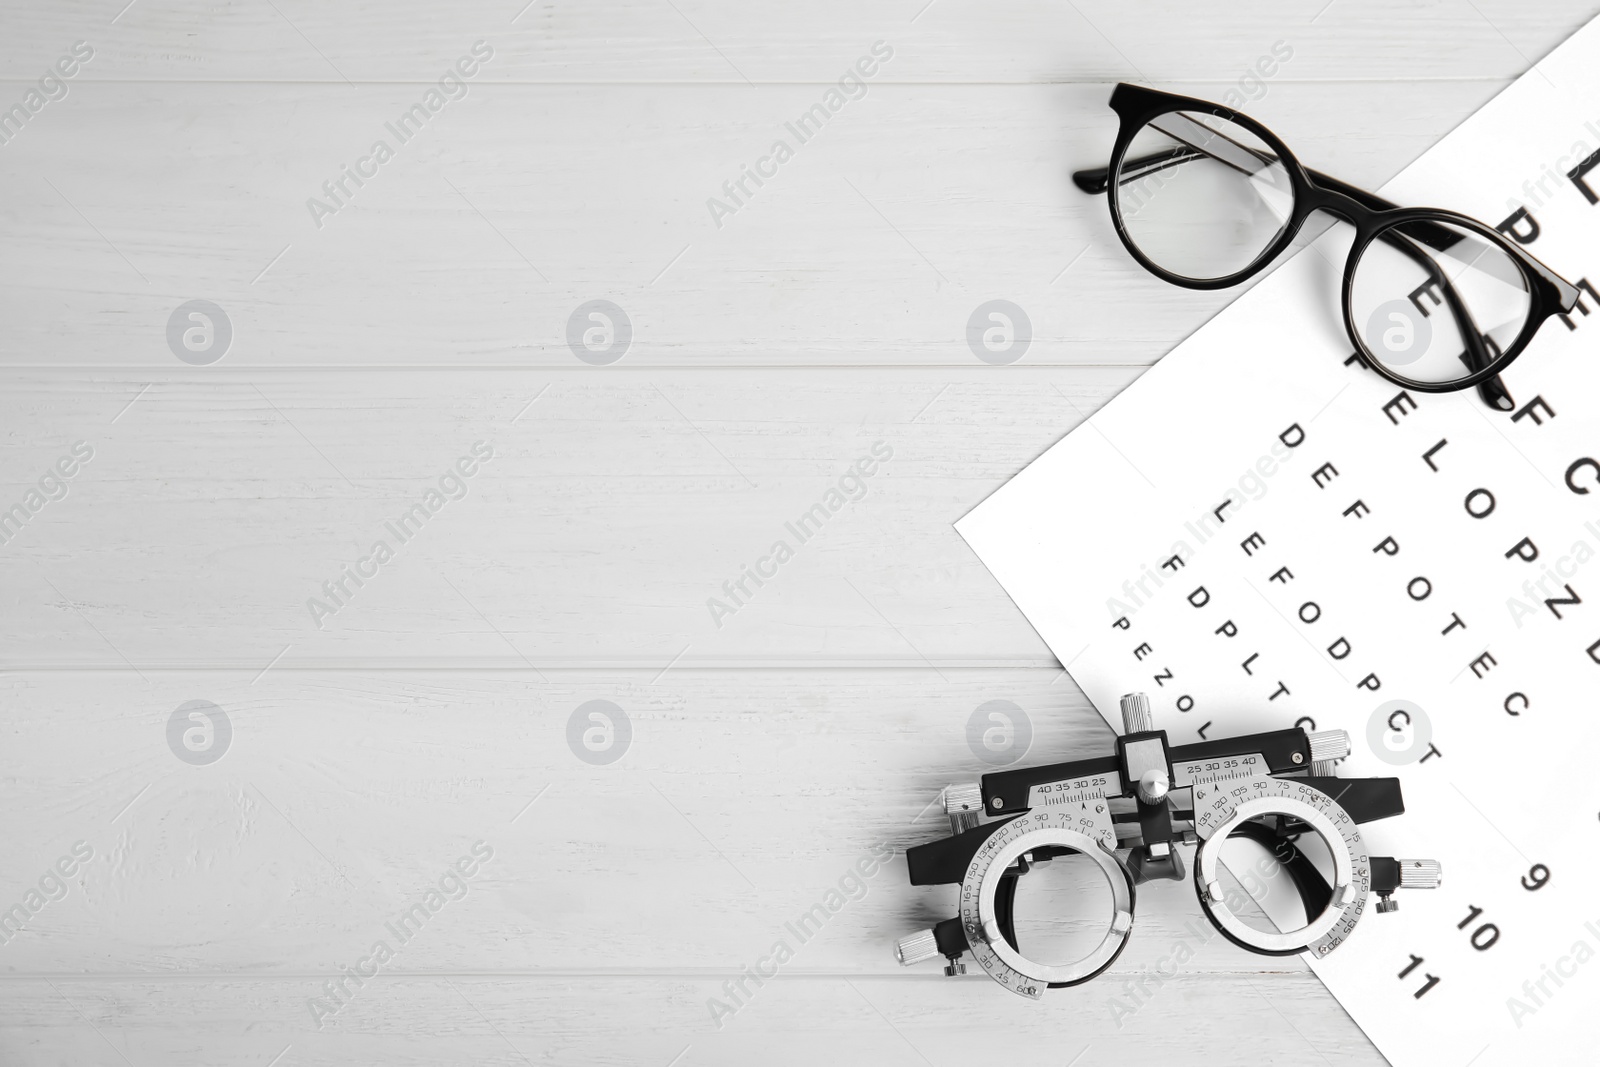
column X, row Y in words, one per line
column 1258, row 532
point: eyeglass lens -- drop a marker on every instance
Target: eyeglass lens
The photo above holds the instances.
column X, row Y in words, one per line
column 1415, row 305
column 1201, row 196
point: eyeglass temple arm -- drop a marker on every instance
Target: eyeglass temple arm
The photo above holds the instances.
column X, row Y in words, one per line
column 1096, row 180
column 1492, row 390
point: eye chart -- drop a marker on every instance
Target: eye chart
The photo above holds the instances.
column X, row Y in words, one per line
column 1260, row 532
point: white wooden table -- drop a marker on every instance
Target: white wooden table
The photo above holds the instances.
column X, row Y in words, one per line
column 772, row 345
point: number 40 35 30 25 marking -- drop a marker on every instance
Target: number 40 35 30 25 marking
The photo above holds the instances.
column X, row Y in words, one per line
column 1484, row 936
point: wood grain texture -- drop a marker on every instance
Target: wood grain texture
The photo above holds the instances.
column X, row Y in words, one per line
column 614, row 512
column 650, row 881
column 504, row 1021
column 770, row 353
column 699, row 41
column 478, row 241
column 345, row 795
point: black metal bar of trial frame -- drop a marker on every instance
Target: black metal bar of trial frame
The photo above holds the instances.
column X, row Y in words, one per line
column 1364, row 799
column 1277, row 747
column 944, row 862
column 1012, row 786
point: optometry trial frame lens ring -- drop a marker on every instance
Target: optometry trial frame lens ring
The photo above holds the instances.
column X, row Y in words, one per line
column 1221, row 811
column 1372, row 216
column 990, row 870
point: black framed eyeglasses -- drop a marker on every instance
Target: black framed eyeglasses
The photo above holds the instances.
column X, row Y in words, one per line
column 1205, row 197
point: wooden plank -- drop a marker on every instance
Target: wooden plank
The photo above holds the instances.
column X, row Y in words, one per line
column 643, row 41
column 739, row 800
column 481, row 241
column 404, row 1020
column 617, row 506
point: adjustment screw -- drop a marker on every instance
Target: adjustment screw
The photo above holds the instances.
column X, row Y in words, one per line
column 963, row 803
column 1298, row 758
column 996, row 803
column 1153, row 786
column 965, row 796
column 954, row 968
column 1329, row 744
column 1136, row 715
column 914, row 948
column 1421, row 874
column 1387, row 904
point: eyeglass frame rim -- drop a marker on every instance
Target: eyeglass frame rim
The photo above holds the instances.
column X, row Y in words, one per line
column 1136, row 105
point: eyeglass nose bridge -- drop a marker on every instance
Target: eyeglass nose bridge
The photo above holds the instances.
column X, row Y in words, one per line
column 1367, row 213
column 1332, row 202
column 1363, row 210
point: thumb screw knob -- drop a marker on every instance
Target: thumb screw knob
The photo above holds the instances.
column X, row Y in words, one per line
column 916, row 947
column 1136, row 715
column 1154, row 786
column 1421, row 874
column 1329, row 745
